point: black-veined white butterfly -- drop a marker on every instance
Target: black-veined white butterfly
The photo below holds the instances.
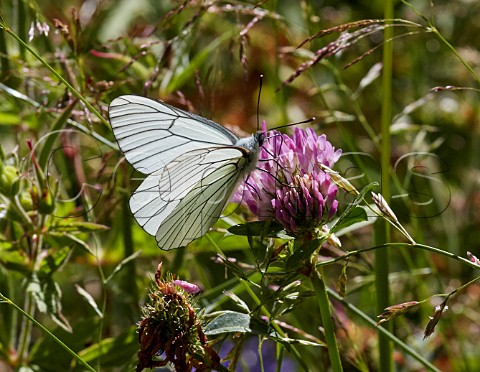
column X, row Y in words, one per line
column 193, row 166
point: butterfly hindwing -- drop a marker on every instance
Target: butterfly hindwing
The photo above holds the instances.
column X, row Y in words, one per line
column 202, row 206
column 186, row 198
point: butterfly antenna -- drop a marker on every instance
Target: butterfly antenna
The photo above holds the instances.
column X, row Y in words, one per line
column 297, row 123
column 258, row 102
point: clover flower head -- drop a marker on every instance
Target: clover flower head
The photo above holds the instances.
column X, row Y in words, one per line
column 170, row 330
column 290, row 186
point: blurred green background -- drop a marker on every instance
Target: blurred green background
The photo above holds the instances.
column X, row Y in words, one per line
column 207, row 57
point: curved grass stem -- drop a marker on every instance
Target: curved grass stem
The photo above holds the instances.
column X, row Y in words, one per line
column 50, row 334
column 327, row 320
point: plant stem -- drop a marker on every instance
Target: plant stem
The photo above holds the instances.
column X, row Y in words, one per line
column 401, row 245
column 55, row 338
column 382, row 229
column 275, row 326
column 55, row 73
column 398, row 343
column 327, row 320
column 25, row 329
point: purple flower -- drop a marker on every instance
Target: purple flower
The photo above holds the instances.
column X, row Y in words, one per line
column 290, row 186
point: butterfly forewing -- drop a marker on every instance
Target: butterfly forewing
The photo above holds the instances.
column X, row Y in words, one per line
column 152, row 133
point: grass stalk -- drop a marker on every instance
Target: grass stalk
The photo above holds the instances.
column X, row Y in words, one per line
column 50, row 334
column 55, row 73
column 327, row 320
column 382, row 228
column 399, row 343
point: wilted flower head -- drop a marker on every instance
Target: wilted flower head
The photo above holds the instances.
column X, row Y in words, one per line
column 171, row 331
column 291, row 187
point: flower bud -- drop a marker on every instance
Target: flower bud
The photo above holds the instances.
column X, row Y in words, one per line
column 46, row 204
column 9, row 180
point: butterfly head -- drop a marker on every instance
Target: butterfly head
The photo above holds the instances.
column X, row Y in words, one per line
column 260, row 138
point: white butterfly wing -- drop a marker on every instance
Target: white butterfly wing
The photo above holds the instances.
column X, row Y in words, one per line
column 152, row 133
column 193, row 214
column 160, row 193
column 193, row 166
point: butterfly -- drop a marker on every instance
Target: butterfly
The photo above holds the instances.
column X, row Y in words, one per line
column 193, row 166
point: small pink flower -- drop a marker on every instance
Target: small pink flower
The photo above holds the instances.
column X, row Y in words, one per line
column 290, row 185
column 186, row 286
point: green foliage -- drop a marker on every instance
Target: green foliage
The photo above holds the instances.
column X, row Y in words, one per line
column 73, row 259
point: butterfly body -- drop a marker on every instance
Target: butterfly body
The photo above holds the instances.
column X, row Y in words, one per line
column 193, row 166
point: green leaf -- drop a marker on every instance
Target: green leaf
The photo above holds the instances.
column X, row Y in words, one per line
column 232, row 322
column 87, row 296
column 53, row 261
column 47, row 295
column 303, row 253
column 62, row 239
column 238, row 301
column 353, row 206
column 7, row 118
column 14, row 260
column 76, row 227
column 259, row 228
column 121, row 264
column 355, row 215
column 114, row 351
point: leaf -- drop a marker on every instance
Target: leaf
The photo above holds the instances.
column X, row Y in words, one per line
column 114, row 351
column 9, row 119
column 356, row 215
column 232, row 321
column 47, row 295
column 14, row 261
column 62, row 239
column 238, row 301
column 352, row 206
column 292, row 341
column 303, row 253
column 87, row 296
column 374, row 72
column 259, row 228
column 53, row 261
column 121, row 264
column 76, row 227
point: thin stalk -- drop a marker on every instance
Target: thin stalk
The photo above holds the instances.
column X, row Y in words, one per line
column 401, row 245
column 382, row 229
column 55, row 73
column 275, row 326
column 452, row 48
column 22, row 26
column 327, row 320
column 25, row 328
column 4, row 62
column 128, row 284
column 39, row 325
column 263, row 309
column 398, row 343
